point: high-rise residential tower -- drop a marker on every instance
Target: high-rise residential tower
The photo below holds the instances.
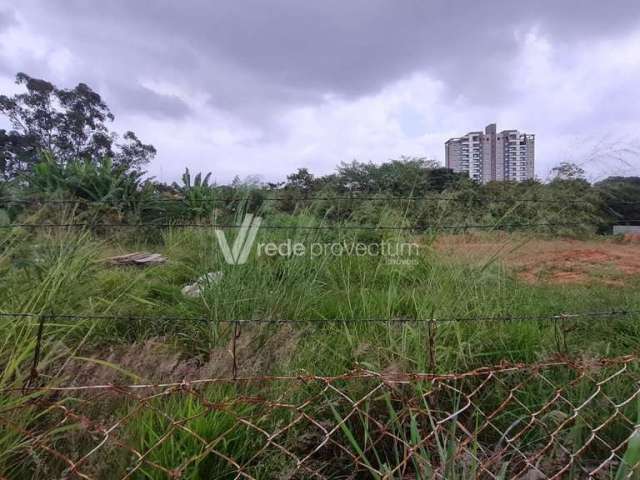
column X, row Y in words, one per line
column 492, row 155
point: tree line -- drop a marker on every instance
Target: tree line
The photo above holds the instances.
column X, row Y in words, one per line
column 59, row 145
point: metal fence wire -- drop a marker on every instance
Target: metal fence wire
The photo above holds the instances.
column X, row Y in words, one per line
column 557, row 419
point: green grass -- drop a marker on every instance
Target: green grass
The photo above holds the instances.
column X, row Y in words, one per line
column 63, row 272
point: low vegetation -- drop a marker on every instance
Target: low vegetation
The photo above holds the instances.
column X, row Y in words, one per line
column 54, row 271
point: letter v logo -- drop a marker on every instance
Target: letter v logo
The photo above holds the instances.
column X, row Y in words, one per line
column 239, row 252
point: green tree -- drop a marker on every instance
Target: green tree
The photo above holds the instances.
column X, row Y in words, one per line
column 302, row 181
column 404, row 176
column 71, row 124
column 621, row 198
column 567, row 171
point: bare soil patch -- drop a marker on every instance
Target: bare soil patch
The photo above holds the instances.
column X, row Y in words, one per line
column 559, row 261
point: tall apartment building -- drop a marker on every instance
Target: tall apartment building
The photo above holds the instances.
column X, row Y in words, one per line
column 489, row 156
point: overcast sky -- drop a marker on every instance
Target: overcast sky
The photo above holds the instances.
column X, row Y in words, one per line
column 262, row 87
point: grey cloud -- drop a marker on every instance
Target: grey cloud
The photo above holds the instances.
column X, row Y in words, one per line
column 138, row 98
column 253, row 60
column 7, row 19
column 255, row 56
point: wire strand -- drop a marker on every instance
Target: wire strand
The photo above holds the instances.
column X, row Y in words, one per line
column 415, row 228
column 461, row 319
column 306, row 199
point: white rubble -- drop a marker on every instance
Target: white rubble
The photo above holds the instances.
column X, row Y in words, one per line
column 197, row 288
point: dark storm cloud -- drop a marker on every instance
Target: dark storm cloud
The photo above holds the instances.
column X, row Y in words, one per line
column 257, row 56
column 7, row 18
column 141, row 99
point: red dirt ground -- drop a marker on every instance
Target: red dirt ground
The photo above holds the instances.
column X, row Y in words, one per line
column 558, row 261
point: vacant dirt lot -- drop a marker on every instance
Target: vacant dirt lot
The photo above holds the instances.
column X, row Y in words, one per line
column 557, row 261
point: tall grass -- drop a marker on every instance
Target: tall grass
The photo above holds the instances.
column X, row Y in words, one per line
column 64, row 272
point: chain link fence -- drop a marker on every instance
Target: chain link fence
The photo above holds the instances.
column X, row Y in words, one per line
column 557, row 419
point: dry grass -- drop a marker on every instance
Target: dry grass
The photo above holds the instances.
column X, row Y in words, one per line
column 258, row 351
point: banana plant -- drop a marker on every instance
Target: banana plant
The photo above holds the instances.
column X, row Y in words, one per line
column 198, row 193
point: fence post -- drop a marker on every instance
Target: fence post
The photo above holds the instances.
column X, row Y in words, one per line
column 560, row 333
column 431, row 332
column 33, row 375
column 236, row 336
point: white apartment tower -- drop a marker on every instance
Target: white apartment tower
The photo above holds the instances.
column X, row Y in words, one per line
column 492, row 156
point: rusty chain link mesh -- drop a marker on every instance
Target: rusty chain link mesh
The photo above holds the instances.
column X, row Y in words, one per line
column 559, row 419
